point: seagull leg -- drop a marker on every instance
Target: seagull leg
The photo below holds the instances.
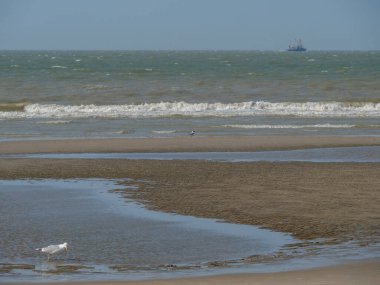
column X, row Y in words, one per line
column 48, row 257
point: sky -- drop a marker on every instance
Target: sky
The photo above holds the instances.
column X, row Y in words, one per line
column 188, row 24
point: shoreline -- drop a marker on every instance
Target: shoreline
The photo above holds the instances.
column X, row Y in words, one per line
column 349, row 273
column 183, row 144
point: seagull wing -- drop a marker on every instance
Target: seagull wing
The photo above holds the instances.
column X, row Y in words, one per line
column 51, row 249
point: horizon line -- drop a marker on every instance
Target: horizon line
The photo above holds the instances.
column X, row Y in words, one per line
column 191, row 50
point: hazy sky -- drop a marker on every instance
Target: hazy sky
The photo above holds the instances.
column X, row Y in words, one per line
column 189, row 24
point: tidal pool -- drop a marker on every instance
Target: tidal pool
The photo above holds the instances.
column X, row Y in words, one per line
column 108, row 234
column 113, row 238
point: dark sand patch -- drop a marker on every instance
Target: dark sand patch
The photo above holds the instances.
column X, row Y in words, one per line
column 326, row 200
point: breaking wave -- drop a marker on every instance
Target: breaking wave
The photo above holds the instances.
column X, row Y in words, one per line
column 169, row 109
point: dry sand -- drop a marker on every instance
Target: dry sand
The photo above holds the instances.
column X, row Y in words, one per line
column 338, row 201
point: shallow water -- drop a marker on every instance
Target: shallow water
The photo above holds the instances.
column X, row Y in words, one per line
column 102, row 230
column 337, row 154
column 114, row 238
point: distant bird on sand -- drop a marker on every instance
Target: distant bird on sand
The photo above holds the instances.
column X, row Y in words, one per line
column 53, row 249
column 192, row 133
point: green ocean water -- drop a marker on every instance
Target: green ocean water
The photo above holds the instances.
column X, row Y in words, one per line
column 168, row 93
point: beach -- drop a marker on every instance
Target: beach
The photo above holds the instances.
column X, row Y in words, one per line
column 337, row 200
column 334, row 203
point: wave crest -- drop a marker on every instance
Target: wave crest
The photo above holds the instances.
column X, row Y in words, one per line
column 169, row 109
column 316, row 126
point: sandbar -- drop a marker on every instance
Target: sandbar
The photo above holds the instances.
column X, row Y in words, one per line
column 309, row 200
column 335, row 201
column 183, row 144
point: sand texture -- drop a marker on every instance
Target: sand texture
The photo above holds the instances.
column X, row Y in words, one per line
column 179, row 144
column 336, row 201
column 309, row 200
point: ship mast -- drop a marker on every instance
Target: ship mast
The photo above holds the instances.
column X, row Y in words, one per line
column 296, row 45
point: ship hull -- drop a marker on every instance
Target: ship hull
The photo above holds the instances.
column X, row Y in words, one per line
column 296, row 49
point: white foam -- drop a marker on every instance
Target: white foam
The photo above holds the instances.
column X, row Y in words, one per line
column 95, row 86
column 164, row 131
column 289, row 126
column 58, row 122
column 168, row 109
column 58, row 66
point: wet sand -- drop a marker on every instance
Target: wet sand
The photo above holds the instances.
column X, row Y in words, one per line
column 183, row 144
column 309, row 200
column 363, row 273
column 337, row 201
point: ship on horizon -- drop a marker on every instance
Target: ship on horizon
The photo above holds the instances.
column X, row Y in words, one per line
column 296, row 46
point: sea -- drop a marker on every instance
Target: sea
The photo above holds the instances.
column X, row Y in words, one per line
column 105, row 94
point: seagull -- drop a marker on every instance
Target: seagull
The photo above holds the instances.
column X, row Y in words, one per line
column 192, row 133
column 53, row 249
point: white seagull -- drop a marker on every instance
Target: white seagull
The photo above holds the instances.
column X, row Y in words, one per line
column 53, row 249
column 192, row 133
